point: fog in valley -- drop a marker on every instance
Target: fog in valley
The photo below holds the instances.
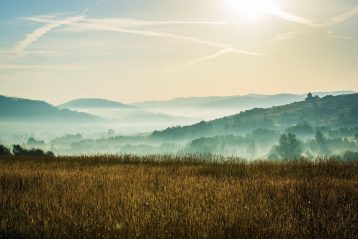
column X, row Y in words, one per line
column 187, row 126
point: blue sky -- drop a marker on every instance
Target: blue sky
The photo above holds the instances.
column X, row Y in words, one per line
column 141, row 49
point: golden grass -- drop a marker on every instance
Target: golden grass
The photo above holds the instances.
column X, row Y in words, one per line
column 174, row 197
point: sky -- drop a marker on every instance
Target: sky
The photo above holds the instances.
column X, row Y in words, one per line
column 140, row 50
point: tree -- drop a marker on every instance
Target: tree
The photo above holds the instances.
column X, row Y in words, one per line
column 322, row 143
column 4, row 151
column 309, row 96
column 19, row 151
column 49, row 154
column 289, row 147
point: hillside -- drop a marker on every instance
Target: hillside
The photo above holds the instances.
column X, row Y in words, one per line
column 239, row 102
column 329, row 111
column 123, row 113
column 18, row 110
column 94, row 103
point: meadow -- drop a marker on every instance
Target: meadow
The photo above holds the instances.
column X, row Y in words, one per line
column 193, row 196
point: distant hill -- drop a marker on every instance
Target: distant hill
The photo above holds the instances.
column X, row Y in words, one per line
column 329, row 111
column 17, row 109
column 122, row 113
column 94, row 103
column 237, row 102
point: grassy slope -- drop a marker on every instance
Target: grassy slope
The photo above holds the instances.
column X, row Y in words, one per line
column 136, row 197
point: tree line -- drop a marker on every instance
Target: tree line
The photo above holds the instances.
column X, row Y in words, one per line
column 17, row 150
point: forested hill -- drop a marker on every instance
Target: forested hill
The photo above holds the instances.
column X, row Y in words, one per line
column 24, row 110
column 329, row 111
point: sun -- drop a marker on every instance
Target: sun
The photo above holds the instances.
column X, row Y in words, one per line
column 252, row 10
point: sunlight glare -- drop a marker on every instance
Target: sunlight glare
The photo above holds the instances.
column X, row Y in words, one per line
column 252, row 10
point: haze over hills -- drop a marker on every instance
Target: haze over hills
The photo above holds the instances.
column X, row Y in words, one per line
column 241, row 102
column 251, row 133
column 94, row 103
column 21, row 116
column 178, row 111
column 17, row 109
column 124, row 113
column 329, row 111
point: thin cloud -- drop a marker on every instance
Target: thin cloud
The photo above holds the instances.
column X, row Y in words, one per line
column 308, row 22
column 126, row 22
column 34, row 36
column 130, row 26
column 285, row 36
column 40, row 32
column 24, row 67
column 33, row 52
column 99, row 2
column 94, row 24
column 332, row 35
column 343, row 17
column 293, row 18
column 223, row 52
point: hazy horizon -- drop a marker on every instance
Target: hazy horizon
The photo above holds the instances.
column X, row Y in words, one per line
column 132, row 51
column 58, row 103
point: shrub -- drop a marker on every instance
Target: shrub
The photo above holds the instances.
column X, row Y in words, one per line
column 4, row 151
column 19, row 151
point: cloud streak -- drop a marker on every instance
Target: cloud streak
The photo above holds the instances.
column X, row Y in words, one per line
column 332, row 35
column 293, row 18
column 285, row 36
column 308, row 22
column 223, row 52
column 40, row 32
column 118, row 26
column 124, row 22
column 31, row 67
column 135, row 27
column 343, row 17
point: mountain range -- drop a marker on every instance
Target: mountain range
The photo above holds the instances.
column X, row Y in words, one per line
column 329, row 111
column 238, row 102
column 95, row 110
column 18, row 109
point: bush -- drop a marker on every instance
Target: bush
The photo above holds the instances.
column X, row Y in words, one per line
column 19, row 151
column 4, row 151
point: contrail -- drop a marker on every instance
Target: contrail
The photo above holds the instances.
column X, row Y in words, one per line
column 224, row 52
column 332, row 35
column 343, row 17
column 98, row 25
column 293, row 18
column 284, row 36
column 127, row 25
column 40, row 32
column 305, row 21
column 127, row 22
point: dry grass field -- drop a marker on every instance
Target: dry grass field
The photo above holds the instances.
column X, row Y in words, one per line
column 176, row 197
